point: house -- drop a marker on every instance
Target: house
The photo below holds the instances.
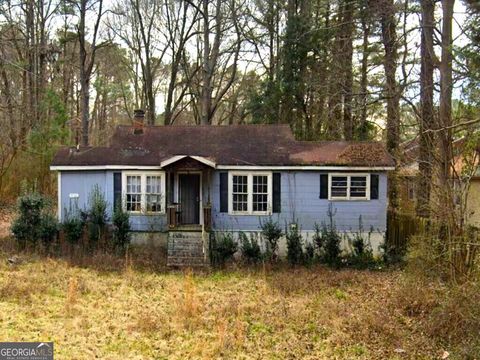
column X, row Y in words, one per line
column 179, row 182
column 466, row 173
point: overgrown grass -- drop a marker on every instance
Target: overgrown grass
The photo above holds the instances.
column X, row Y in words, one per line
column 124, row 310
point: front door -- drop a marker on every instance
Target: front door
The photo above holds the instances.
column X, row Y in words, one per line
column 189, row 193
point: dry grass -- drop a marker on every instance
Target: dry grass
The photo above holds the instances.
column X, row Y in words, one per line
column 244, row 314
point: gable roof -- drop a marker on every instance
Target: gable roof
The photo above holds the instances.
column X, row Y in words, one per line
column 233, row 145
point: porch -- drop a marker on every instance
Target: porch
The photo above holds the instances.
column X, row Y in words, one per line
column 189, row 213
column 188, row 191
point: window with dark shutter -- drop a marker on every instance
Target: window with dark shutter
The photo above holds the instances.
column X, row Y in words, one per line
column 117, row 189
column 323, row 186
column 374, row 186
column 224, row 192
column 277, row 193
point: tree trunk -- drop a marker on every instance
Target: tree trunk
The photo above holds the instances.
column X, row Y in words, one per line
column 84, row 77
column 447, row 214
column 389, row 39
column 364, row 75
column 207, row 85
column 427, row 120
column 347, row 61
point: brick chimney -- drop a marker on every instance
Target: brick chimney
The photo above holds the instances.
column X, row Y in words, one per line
column 138, row 121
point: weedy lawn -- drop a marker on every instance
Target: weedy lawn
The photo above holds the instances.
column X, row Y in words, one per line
column 284, row 313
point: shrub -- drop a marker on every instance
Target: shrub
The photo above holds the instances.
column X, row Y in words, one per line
column 48, row 229
column 121, row 229
column 294, row 245
column 362, row 254
column 250, row 248
column 318, row 239
column 331, row 241
column 271, row 232
column 222, row 248
column 72, row 227
column 27, row 227
column 97, row 215
column 309, row 255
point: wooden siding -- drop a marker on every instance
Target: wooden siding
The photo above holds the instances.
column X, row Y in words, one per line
column 299, row 202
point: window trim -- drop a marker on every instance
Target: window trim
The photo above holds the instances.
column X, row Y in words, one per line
column 143, row 181
column 250, row 175
column 348, row 197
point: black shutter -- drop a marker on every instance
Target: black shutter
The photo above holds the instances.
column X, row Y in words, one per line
column 323, row 186
column 277, row 192
column 117, row 190
column 223, row 192
column 373, row 186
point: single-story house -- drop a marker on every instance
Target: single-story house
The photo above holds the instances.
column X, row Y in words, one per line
column 178, row 180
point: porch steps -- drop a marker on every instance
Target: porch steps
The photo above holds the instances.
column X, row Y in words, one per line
column 185, row 249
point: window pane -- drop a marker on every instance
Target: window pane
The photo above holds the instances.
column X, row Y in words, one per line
column 339, row 186
column 358, row 186
column 153, row 194
column 260, row 193
column 240, row 193
column 133, row 195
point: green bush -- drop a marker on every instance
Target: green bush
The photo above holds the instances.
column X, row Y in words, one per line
column 34, row 221
column 318, row 239
column 294, row 245
column 309, row 255
column 121, row 229
column 97, row 215
column 72, row 227
column 362, row 253
column 48, row 230
column 222, row 248
column 271, row 232
column 251, row 252
column 331, row 241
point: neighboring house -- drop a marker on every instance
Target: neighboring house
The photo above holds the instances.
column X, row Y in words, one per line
column 174, row 179
column 466, row 162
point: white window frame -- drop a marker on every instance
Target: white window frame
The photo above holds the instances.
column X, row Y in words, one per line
column 348, row 197
column 250, row 175
column 143, row 181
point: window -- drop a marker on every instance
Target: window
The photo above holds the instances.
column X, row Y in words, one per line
column 339, row 187
column 134, row 193
column 154, row 194
column 240, row 193
column 260, row 193
column 349, row 187
column 358, row 187
column 143, row 192
column 250, row 193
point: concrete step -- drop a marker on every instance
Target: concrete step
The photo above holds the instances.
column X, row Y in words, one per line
column 185, row 249
column 184, row 261
column 181, row 252
column 184, row 235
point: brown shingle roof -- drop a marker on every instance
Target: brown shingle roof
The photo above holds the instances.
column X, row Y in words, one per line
column 225, row 145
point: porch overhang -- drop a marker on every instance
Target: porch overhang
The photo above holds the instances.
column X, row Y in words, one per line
column 200, row 159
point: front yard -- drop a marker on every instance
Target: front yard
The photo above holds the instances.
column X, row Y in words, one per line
column 312, row 313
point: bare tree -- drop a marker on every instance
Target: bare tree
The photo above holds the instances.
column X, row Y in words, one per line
column 87, row 51
column 445, row 117
column 388, row 20
column 427, row 120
